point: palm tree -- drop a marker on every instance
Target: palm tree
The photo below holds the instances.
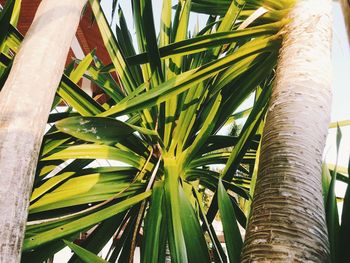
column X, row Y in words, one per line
column 287, row 221
column 174, row 95
column 35, row 74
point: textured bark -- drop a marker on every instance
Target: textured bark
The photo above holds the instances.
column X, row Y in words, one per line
column 25, row 103
column 345, row 5
column 287, row 222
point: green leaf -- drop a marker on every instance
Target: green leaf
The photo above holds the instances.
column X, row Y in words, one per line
column 122, row 248
column 82, row 223
column 49, row 184
column 126, row 44
column 344, row 231
column 339, row 136
column 84, row 254
column 204, row 132
column 247, row 204
column 176, row 239
column 154, row 241
column 15, row 13
column 83, row 66
column 210, row 158
column 216, row 142
column 220, row 252
column 147, row 40
column 249, row 130
column 212, row 178
column 95, row 129
column 207, row 42
column 106, row 82
column 99, row 237
column 232, row 234
column 332, row 216
column 112, row 47
column 99, row 129
column 238, row 115
column 44, row 252
column 77, row 98
column 326, row 181
column 239, row 61
column 85, row 189
column 197, row 250
column 5, row 17
column 95, row 151
column 165, row 24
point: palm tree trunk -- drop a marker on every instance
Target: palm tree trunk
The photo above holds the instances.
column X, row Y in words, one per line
column 25, row 103
column 345, row 4
column 287, row 222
